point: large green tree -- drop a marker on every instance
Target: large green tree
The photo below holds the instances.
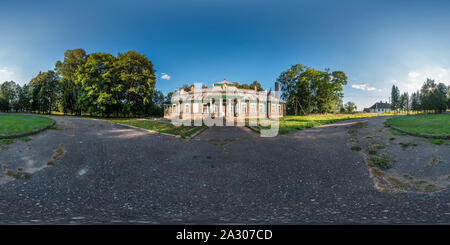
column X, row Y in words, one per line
column 309, row 90
column 442, row 98
column 448, row 97
column 395, row 98
column 99, row 84
column 415, row 101
column 97, row 78
column 23, row 99
column 4, row 104
column 433, row 97
column 67, row 69
column 44, row 91
column 137, row 76
column 9, row 90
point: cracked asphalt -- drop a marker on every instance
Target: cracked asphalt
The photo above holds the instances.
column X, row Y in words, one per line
column 113, row 174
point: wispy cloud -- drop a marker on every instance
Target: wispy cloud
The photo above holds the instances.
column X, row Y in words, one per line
column 415, row 78
column 413, row 75
column 6, row 74
column 363, row 87
column 165, row 76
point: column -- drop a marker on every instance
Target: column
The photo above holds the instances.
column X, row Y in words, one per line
column 220, row 107
column 230, row 107
column 211, row 107
column 238, row 108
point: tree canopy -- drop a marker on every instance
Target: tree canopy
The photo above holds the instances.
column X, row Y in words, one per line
column 432, row 97
column 307, row 90
column 98, row 84
column 253, row 85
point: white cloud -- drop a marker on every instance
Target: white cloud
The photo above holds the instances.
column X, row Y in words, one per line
column 165, row 76
column 416, row 78
column 363, row 87
column 6, row 74
column 413, row 75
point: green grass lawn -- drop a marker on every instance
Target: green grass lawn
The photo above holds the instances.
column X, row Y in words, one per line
column 161, row 127
column 426, row 124
column 295, row 123
column 14, row 124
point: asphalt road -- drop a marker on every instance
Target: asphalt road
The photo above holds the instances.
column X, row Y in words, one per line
column 114, row 174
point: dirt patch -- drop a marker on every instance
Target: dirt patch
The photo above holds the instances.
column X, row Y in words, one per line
column 17, row 175
column 399, row 162
column 50, row 164
column 59, row 153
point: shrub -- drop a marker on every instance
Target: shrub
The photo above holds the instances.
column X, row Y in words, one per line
column 356, row 148
column 381, row 162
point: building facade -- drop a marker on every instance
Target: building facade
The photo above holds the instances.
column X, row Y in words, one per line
column 379, row 107
column 224, row 99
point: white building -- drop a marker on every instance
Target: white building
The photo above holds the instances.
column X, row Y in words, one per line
column 224, row 99
column 379, row 107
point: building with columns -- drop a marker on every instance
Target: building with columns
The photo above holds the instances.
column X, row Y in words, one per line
column 224, row 99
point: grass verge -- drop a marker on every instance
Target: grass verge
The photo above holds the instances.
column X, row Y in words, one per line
column 16, row 124
column 437, row 124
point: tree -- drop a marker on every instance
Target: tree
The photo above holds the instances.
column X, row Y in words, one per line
column 404, row 102
column 395, row 98
column 137, row 76
column 9, row 91
column 256, row 85
column 186, row 88
column 350, row 107
column 448, row 96
column 339, row 105
column 23, row 99
column 158, row 100
column 308, row 90
column 73, row 60
column 291, row 85
column 253, row 85
column 4, row 104
column 327, row 90
column 442, row 98
column 98, row 83
column 44, row 91
column 415, row 101
column 338, row 80
column 429, row 99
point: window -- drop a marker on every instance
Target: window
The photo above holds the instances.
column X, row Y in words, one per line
column 252, row 108
column 279, row 108
column 174, row 108
column 195, row 108
column 216, row 108
column 205, row 108
column 244, row 108
column 261, row 108
column 187, row 107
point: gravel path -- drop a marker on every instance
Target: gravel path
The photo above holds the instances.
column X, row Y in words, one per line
column 105, row 173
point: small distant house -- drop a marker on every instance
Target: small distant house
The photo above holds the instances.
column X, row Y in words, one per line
column 379, row 107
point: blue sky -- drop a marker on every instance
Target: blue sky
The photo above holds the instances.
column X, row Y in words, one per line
column 376, row 43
